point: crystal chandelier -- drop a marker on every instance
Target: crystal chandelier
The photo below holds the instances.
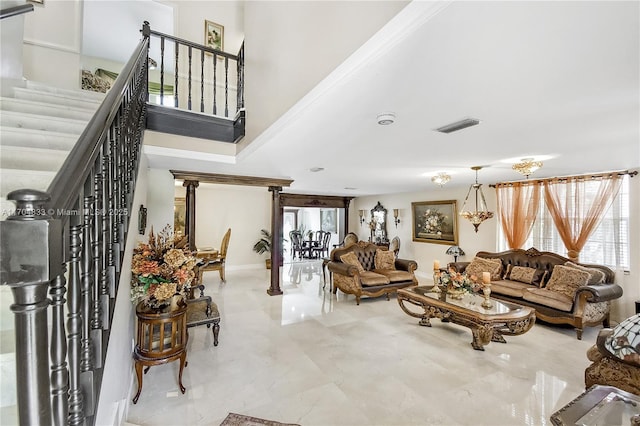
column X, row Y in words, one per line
column 526, row 166
column 441, row 178
column 481, row 212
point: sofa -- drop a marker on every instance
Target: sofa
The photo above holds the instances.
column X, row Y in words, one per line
column 561, row 291
column 616, row 357
column 366, row 269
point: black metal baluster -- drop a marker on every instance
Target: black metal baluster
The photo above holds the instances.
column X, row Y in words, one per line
column 189, row 80
column 240, row 88
column 226, row 87
column 86, row 357
column 175, row 87
column 59, row 372
column 96, row 257
column 74, row 323
column 115, row 195
column 215, row 88
column 202, row 81
column 161, row 70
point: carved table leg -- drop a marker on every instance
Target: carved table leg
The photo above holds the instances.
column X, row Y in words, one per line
column 139, row 375
column 481, row 336
column 498, row 337
column 183, row 359
column 216, row 331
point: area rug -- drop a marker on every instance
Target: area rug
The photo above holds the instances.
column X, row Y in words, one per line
column 234, row 419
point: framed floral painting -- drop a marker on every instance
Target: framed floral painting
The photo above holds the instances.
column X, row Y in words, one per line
column 213, row 35
column 435, row 222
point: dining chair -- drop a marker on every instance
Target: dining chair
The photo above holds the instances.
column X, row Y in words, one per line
column 217, row 263
column 323, row 246
column 296, row 244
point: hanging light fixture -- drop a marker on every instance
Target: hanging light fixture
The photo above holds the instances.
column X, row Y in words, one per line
column 526, row 166
column 481, row 212
column 441, row 178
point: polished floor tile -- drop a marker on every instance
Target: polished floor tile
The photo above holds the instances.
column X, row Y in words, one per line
column 315, row 358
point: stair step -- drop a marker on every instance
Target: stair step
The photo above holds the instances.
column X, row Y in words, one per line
column 12, row 179
column 32, row 138
column 19, row 157
column 56, row 98
column 42, row 122
column 87, row 94
column 41, row 108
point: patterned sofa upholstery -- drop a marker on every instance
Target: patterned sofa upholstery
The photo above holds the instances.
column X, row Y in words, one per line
column 373, row 270
column 616, row 357
column 557, row 300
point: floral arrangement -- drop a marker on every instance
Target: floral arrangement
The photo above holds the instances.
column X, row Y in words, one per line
column 161, row 268
column 432, row 222
column 454, row 280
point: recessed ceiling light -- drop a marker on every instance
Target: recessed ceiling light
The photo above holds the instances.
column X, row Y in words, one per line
column 386, row 118
column 316, row 169
column 350, row 188
column 458, row 125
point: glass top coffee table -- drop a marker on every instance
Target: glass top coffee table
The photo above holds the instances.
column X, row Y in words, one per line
column 486, row 324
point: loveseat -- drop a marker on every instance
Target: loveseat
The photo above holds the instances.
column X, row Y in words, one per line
column 561, row 291
column 616, row 357
column 365, row 269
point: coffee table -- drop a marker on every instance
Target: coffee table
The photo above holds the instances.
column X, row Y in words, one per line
column 486, row 324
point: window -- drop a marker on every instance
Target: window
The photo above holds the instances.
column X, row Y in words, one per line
column 607, row 245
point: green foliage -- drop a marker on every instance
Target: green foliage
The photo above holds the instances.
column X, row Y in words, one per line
column 263, row 245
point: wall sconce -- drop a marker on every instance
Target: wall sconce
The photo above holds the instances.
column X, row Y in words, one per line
column 142, row 219
column 395, row 217
column 361, row 213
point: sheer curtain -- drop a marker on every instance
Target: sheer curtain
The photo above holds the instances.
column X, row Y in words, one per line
column 575, row 211
column 518, row 204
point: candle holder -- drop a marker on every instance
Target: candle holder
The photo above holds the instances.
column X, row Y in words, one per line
column 486, row 291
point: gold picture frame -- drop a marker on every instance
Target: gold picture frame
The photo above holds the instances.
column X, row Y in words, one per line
column 435, row 222
column 214, row 35
column 179, row 215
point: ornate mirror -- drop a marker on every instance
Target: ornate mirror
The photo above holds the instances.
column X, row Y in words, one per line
column 379, row 224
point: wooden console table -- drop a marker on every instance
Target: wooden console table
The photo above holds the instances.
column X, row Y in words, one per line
column 161, row 338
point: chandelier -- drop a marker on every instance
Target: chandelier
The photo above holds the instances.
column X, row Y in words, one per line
column 441, row 178
column 481, row 212
column 526, row 166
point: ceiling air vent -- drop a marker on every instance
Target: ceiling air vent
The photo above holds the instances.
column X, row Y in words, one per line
column 458, row 125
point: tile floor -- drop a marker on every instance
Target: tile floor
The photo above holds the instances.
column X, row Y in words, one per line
column 314, row 358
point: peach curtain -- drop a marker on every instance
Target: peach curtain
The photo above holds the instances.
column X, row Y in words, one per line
column 518, row 205
column 575, row 213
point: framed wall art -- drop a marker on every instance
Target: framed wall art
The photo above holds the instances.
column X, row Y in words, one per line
column 435, row 222
column 179, row 215
column 213, row 35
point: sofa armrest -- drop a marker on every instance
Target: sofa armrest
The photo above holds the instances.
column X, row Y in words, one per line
column 458, row 266
column 342, row 269
column 600, row 292
column 406, row 265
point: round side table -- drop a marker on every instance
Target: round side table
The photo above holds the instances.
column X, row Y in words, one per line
column 161, row 338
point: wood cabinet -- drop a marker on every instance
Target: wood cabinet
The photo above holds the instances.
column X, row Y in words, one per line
column 161, row 338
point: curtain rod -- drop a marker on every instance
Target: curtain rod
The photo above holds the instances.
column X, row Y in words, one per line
column 564, row 178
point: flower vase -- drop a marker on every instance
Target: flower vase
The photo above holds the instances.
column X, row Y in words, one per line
column 176, row 302
column 456, row 293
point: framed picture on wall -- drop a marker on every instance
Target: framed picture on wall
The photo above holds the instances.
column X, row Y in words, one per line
column 328, row 220
column 179, row 215
column 213, row 35
column 435, row 222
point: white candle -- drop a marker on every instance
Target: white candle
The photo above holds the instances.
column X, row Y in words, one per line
column 436, row 265
column 486, row 277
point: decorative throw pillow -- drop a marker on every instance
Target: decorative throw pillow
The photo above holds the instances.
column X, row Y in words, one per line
column 351, row 259
column 385, row 259
column 566, row 280
column 624, row 342
column 479, row 265
column 596, row 275
column 525, row 275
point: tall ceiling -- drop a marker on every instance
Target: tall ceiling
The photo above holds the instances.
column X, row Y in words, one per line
column 557, row 81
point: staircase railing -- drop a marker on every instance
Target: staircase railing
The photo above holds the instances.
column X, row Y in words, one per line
column 68, row 242
column 214, row 67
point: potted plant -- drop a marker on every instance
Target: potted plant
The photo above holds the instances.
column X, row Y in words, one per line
column 263, row 245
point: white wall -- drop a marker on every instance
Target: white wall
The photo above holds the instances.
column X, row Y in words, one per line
column 160, row 199
column 119, row 375
column 244, row 209
column 52, row 40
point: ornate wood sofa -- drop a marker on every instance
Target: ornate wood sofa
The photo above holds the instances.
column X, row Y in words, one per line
column 584, row 305
column 363, row 278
